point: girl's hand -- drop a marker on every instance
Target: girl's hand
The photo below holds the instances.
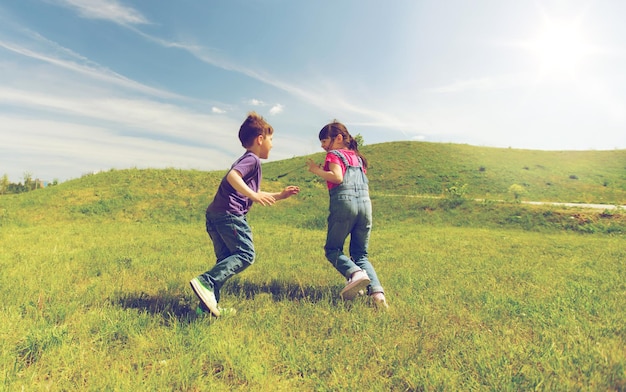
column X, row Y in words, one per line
column 289, row 191
column 313, row 166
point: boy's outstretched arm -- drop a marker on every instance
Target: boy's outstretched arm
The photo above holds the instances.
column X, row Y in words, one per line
column 235, row 179
column 287, row 192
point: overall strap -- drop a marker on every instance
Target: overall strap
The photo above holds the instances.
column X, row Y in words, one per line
column 343, row 158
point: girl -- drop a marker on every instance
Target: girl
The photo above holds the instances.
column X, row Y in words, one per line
column 350, row 211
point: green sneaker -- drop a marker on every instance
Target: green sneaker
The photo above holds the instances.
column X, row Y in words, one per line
column 206, row 295
column 225, row 312
column 201, row 310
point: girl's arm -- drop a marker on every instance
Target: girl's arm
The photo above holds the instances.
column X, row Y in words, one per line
column 235, row 179
column 334, row 173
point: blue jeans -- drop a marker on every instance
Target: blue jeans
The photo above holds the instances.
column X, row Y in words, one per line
column 234, row 249
column 351, row 214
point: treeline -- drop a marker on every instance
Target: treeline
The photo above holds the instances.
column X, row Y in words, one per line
column 29, row 184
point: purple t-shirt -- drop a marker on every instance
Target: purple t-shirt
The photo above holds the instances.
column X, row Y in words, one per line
column 227, row 199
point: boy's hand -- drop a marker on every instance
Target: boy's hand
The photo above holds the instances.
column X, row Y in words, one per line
column 264, row 198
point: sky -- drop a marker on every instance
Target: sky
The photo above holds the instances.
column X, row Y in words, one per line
column 95, row 85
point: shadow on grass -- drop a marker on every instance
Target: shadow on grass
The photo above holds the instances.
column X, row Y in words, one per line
column 162, row 303
column 181, row 308
column 281, row 290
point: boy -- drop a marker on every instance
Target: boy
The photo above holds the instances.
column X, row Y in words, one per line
column 226, row 216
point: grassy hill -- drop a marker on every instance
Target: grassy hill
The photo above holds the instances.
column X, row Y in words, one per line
column 484, row 295
column 429, row 168
column 398, row 173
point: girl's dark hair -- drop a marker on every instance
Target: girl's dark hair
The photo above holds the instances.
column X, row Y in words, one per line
column 336, row 128
column 253, row 126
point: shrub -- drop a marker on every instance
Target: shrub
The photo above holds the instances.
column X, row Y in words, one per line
column 517, row 191
column 454, row 196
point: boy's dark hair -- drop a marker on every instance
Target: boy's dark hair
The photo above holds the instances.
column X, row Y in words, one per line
column 253, row 126
column 336, row 128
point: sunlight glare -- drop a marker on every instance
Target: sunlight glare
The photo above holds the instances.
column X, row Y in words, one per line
column 559, row 47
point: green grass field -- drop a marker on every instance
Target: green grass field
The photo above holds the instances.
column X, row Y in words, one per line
column 487, row 295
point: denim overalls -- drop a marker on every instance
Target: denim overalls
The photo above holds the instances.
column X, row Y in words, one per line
column 351, row 214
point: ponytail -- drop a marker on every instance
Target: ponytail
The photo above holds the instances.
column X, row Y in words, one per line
column 354, row 146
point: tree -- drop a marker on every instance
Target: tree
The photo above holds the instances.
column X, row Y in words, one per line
column 359, row 139
column 4, row 184
column 29, row 184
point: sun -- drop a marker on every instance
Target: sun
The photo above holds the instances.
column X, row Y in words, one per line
column 559, row 48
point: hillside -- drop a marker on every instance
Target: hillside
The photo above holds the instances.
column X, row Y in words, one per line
column 397, row 170
column 419, row 168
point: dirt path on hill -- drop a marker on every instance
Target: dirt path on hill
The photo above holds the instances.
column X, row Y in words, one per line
column 537, row 203
column 578, row 205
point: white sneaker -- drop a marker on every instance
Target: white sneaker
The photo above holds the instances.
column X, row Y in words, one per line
column 206, row 295
column 379, row 300
column 358, row 282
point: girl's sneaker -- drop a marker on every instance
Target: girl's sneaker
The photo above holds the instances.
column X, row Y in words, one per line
column 379, row 300
column 358, row 282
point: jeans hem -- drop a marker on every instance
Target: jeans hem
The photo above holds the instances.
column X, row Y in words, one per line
column 375, row 289
column 352, row 270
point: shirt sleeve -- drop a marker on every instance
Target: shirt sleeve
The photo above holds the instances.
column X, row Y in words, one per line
column 247, row 166
column 332, row 158
column 351, row 157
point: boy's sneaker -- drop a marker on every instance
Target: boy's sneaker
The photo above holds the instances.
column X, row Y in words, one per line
column 201, row 310
column 225, row 312
column 358, row 282
column 206, row 295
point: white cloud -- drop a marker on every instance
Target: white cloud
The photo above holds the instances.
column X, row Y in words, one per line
column 276, row 109
column 484, row 84
column 459, row 86
column 70, row 149
column 84, row 117
column 141, row 115
column 79, row 65
column 329, row 97
column 110, row 10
